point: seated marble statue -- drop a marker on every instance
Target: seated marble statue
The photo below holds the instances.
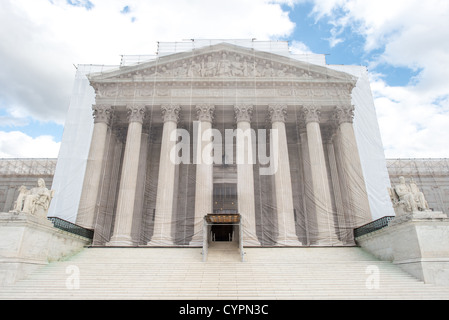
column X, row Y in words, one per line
column 419, row 197
column 35, row 201
column 18, row 205
column 407, row 198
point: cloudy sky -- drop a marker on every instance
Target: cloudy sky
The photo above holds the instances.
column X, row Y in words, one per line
column 404, row 44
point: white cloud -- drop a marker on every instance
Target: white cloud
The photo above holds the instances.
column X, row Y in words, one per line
column 10, row 121
column 298, row 47
column 411, row 126
column 41, row 40
column 35, row 79
column 414, row 119
column 16, row 144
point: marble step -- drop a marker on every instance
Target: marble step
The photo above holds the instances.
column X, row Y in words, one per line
column 179, row 273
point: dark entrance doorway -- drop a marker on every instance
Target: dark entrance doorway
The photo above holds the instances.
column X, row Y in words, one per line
column 222, row 232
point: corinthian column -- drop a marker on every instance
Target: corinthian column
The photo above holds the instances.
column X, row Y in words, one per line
column 88, row 200
column 204, row 171
column 324, row 233
column 283, row 185
column 343, row 231
column 127, row 189
column 163, row 220
column 245, row 178
column 352, row 168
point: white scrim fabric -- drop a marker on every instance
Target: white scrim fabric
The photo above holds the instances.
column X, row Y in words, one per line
column 300, row 221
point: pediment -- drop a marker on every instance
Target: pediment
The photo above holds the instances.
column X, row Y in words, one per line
column 223, row 62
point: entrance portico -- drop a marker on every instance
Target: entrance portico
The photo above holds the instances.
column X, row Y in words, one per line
column 170, row 133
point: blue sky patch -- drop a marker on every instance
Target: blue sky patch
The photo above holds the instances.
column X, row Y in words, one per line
column 126, row 10
column 397, row 76
column 35, row 129
column 348, row 50
column 81, row 3
column 32, row 128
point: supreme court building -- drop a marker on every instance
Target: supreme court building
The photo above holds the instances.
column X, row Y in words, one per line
column 286, row 141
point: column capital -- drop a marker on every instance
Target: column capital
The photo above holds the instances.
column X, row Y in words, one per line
column 205, row 112
column 344, row 114
column 136, row 113
column 277, row 112
column 170, row 112
column 243, row 112
column 102, row 113
column 311, row 113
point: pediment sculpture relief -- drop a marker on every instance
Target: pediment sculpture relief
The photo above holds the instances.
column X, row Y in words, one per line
column 225, row 64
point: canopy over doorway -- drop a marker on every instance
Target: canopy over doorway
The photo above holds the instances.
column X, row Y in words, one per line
column 222, row 227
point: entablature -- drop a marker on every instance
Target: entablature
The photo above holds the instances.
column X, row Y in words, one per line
column 267, row 92
column 225, row 113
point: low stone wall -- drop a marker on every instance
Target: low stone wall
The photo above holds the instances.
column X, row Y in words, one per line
column 416, row 242
column 28, row 242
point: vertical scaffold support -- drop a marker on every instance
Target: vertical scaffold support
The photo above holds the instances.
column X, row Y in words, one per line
column 242, row 252
column 205, row 240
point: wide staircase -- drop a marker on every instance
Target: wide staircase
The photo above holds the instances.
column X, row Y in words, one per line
column 180, row 273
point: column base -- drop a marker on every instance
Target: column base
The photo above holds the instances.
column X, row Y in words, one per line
column 327, row 243
column 196, row 243
column 120, row 241
column 251, row 243
column 161, row 242
column 289, row 243
column 250, row 238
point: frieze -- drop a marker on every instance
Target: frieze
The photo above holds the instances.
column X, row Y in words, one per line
column 202, row 90
column 121, row 90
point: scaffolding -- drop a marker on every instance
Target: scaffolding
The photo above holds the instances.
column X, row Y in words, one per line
column 418, row 167
column 27, row 167
column 259, row 76
column 431, row 175
column 277, row 47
